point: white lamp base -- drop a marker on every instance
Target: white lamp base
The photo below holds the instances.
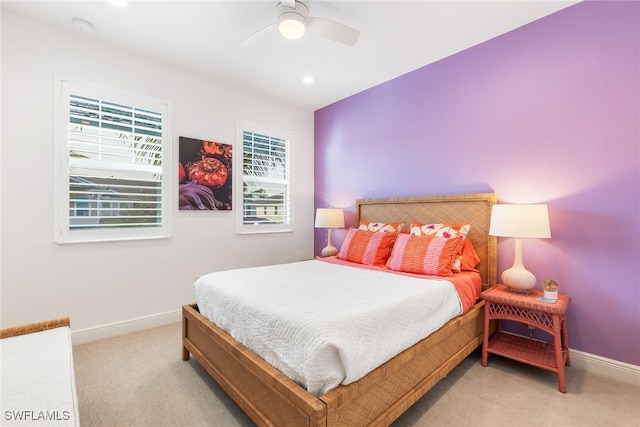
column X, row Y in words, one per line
column 518, row 278
column 329, row 250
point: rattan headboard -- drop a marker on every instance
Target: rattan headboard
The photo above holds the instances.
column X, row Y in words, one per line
column 452, row 208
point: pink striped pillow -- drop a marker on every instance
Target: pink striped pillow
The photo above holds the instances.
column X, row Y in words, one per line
column 463, row 259
column 366, row 247
column 424, row 254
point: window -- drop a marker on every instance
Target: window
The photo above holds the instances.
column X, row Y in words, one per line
column 264, row 179
column 112, row 174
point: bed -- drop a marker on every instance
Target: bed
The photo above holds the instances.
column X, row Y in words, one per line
column 38, row 382
column 270, row 398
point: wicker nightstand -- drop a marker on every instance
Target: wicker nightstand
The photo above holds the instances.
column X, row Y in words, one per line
column 503, row 304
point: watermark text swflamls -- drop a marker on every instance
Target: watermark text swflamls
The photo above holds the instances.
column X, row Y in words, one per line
column 31, row 415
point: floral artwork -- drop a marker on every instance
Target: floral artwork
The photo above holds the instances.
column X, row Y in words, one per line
column 204, row 173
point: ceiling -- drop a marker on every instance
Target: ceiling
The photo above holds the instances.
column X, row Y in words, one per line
column 396, row 37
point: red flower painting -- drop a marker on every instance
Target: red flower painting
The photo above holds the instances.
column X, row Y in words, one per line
column 205, row 175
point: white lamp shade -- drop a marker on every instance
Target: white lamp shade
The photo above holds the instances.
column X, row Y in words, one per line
column 329, row 218
column 526, row 221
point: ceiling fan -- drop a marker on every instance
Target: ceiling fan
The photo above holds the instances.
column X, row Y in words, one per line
column 292, row 20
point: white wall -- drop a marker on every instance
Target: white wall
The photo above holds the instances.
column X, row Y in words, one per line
column 99, row 284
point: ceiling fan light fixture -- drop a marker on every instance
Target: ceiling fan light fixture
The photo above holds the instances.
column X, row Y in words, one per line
column 293, row 20
column 291, row 26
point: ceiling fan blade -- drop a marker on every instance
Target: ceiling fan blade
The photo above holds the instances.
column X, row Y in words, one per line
column 249, row 41
column 334, row 31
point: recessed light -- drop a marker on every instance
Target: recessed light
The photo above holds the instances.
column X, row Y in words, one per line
column 82, row 25
column 308, row 80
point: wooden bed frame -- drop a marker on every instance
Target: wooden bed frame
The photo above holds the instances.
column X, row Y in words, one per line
column 271, row 399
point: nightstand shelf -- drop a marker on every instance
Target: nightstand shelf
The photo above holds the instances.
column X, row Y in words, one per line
column 502, row 304
column 532, row 352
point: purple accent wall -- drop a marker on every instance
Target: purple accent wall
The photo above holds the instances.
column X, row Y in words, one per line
column 547, row 113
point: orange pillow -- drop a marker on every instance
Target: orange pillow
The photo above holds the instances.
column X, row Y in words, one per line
column 448, row 230
column 390, row 227
column 424, row 254
column 469, row 259
column 366, row 247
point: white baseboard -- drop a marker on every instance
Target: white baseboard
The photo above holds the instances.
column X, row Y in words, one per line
column 83, row 336
column 619, row 371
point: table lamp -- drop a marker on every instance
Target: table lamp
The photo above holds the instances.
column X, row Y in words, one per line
column 519, row 221
column 329, row 218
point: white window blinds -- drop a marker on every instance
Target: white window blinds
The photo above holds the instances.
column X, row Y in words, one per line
column 115, row 166
column 266, row 179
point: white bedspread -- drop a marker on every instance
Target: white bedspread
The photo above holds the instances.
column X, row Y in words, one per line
column 324, row 324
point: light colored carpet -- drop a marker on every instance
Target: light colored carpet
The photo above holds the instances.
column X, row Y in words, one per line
column 139, row 379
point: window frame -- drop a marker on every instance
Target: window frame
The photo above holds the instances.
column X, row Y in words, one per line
column 243, row 125
column 63, row 234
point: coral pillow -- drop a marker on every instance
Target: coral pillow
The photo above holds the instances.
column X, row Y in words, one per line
column 469, row 259
column 367, row 247
column 424, row 254
column 451, row 230
column 390, row 227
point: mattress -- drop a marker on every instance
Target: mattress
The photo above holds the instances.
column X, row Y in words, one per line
column 323, row 324
column 38, row 382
